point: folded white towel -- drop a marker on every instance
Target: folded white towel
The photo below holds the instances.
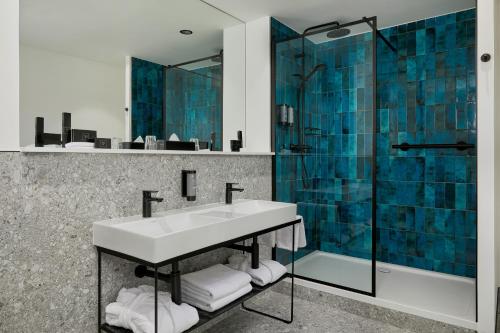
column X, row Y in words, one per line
column 80, row 145
column 282, row 238
column 134, row 309
column 215, row 282
column 219, row 303
column 269, row 271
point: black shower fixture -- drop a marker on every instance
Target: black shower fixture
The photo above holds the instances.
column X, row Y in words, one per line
column 338, row 33
column 186, row 32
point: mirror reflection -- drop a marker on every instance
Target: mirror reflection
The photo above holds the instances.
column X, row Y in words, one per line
column 122, row 71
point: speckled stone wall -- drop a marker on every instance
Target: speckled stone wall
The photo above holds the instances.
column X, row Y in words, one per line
column 48, row 203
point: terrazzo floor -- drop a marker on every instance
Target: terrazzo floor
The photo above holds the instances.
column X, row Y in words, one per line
column 309, row 317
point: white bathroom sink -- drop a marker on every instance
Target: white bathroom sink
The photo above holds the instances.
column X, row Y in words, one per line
column 172, row 233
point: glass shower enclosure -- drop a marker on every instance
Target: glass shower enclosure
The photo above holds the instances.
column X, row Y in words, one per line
column 324, row 140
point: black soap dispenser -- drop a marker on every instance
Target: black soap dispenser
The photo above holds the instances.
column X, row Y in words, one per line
column 189, row 184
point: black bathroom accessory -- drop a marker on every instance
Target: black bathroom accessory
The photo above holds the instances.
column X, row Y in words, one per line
column 236, row 145
column 147, row 198
column 212, row 141
column 229, row 192
column 485, row 57
column 203, row 145
column 189, row 184
column 66, row 128
column 131, row 145
column 240, row 138
column 180, row 145
column 459, row 146
column 102, row 143
column 41, row 138
column 79, row 135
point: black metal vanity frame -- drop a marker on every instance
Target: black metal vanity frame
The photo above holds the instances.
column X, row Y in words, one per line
column 174, row 277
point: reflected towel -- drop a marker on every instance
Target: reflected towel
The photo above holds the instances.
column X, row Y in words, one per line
column 134, row 309
column 215, row 282
column 216, row 304
column 79, row 145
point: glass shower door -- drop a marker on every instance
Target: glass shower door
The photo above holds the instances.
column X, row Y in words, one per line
column 325, row 160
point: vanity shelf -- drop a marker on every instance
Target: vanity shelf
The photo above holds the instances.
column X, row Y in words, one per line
column 175, row 279
column 205, row 316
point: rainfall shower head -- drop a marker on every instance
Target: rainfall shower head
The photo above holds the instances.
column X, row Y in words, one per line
column 338, row 33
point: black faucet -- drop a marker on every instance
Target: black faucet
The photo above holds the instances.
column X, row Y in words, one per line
column 147, row 198
column 229, row 192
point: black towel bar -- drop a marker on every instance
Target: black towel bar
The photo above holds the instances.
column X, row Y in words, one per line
column 459, row 146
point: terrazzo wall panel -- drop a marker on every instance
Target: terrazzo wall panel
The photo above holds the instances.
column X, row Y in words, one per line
column 49, row 201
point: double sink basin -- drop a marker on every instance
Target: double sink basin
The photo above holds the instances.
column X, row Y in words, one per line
column 176, row 232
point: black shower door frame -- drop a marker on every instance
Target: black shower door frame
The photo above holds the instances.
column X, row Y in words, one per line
column 372, row 23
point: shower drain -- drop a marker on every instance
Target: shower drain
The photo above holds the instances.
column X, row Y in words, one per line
column 384, row 270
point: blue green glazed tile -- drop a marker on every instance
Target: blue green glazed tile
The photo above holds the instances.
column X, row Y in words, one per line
column 426, row 92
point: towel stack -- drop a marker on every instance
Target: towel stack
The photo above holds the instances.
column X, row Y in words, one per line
column 269, row 271
column 134, row 310
column 213, row 288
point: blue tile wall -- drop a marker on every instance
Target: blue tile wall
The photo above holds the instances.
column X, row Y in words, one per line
column 426, row 93
column 147, row 98
column 191, row 101
column 194, row 103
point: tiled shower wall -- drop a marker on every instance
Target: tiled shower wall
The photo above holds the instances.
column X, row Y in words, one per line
column 147, row 98
column 190, row 99
column 426, row 199
column 194, row 103
column 426, row 203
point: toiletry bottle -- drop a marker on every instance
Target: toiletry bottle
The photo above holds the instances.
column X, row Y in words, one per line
column 283, row 114
column 212, row 141
column 240, row 138
column 290, row 116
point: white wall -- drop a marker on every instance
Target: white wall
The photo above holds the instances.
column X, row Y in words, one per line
column 128, row 99
column 497, row 138
column 258, row 85
column 9, row 75
column 247, row 84
column 234, row 85
column 488, row 195
column 52, row 83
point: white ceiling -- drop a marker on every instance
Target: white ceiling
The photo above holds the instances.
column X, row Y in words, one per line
column 300, row 14
column 109, row 30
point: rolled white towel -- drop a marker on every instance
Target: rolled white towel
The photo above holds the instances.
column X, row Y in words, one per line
column 134, row 309
column 269, row 271
column 219, row 303
column 215, row 282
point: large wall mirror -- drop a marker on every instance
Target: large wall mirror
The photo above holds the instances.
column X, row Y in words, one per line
column 123, row 68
